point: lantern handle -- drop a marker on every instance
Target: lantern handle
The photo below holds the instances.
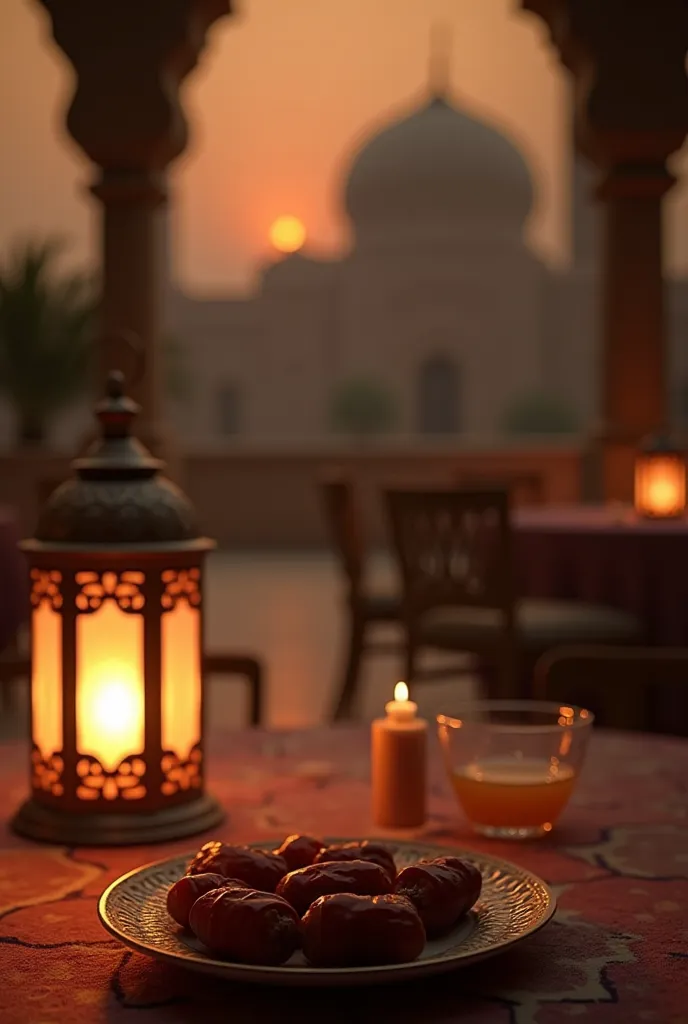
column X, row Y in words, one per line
column 124, row 338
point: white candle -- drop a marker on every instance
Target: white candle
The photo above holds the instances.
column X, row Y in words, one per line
column 398, row 767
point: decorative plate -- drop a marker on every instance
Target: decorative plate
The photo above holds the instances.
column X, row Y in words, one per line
column 513, row 904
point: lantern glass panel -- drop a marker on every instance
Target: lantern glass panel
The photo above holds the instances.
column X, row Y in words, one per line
column 181, row 679
column 46, row 660
column 110, row 678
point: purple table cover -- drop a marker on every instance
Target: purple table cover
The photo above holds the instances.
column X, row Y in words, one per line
column 607, row 555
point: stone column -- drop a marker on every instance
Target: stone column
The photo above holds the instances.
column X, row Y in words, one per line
column 628, row 63
column 130, row 58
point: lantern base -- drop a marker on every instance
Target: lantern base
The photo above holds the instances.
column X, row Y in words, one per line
column 47, row 825
column 653, row 517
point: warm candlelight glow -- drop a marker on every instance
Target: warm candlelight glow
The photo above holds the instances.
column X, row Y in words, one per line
column 401, row 693
column 110, row 685
column 660, row 485
column 662, row 494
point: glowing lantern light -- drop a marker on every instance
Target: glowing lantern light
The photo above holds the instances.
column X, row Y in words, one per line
column 116, row 649
column 660, row 480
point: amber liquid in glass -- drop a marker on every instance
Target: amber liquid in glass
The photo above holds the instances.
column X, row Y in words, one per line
column 514, row 794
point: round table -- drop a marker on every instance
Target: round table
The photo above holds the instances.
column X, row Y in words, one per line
column 616, row 952
column 607, row 555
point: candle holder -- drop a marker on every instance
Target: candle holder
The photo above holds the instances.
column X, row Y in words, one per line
column 660, row 480
column 116, row 573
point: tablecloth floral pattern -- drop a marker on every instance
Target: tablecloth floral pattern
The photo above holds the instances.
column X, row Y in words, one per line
column 616, row 953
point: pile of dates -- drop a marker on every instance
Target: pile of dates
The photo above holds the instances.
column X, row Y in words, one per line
column 343, row 905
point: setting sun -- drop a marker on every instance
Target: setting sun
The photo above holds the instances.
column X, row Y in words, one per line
column 288, row 234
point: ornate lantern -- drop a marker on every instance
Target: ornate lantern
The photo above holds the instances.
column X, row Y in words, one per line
column 660, row 480
column 116, row 572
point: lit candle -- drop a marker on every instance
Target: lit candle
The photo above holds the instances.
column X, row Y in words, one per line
column 399, row 764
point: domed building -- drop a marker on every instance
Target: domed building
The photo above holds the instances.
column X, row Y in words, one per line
column 440, row 301
column 440, row 295
column 433, row 166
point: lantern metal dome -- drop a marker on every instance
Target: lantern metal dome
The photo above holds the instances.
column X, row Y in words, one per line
column 117, row 495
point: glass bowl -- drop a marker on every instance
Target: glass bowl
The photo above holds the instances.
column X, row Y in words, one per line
column 513, row 764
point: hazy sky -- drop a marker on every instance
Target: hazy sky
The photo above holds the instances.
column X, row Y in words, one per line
column 284, row 91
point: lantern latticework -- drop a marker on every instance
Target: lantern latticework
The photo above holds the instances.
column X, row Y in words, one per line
column 116, row 569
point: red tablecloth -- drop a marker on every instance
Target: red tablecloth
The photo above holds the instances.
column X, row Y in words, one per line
column 616, row 953
column 607, row 555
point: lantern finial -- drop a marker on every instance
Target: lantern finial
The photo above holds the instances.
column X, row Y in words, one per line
column 116, row 412
column 115, row 384
column 440, row 60
column 117, row 472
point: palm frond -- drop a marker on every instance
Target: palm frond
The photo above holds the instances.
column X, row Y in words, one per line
column 46, row 329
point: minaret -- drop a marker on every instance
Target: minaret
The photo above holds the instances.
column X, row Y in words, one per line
column 440, row 61
column 584, row 210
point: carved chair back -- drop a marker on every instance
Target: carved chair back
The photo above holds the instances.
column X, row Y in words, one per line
column 344, row 523
column 453, row 548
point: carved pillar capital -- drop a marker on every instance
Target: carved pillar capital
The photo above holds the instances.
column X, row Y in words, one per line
column 130, row 58
column 628, row 62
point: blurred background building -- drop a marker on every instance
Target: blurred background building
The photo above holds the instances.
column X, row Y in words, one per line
column 441, row 315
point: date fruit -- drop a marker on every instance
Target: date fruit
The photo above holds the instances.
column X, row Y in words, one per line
column 184, row 893
column 346, row 930
column 442, row 891
column 375, row 852
column 303, row 887
column 257, row 868
column 299, row 851
column 246, row 926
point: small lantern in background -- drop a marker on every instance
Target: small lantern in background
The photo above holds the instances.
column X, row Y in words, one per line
column 660, row 480
column 116, row 651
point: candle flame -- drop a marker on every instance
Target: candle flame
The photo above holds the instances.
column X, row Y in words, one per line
column 401, row 692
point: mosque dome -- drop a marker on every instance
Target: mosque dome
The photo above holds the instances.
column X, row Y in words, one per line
column 439, row 164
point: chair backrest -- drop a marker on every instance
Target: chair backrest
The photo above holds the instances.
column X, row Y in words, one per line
column 344, row 523
column 637, row 688
column 453, row 548
column 524, row 488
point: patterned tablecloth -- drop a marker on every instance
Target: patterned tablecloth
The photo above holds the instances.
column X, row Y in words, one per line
column 616, row 953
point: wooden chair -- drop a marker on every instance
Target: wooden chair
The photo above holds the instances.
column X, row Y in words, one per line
column 366, row 608
column 637, row 688
column 454, row 550
column 246, row 667
column 16, row 665
column 524, row 488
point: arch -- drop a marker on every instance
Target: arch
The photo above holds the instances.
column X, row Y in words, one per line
column 439, row 399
